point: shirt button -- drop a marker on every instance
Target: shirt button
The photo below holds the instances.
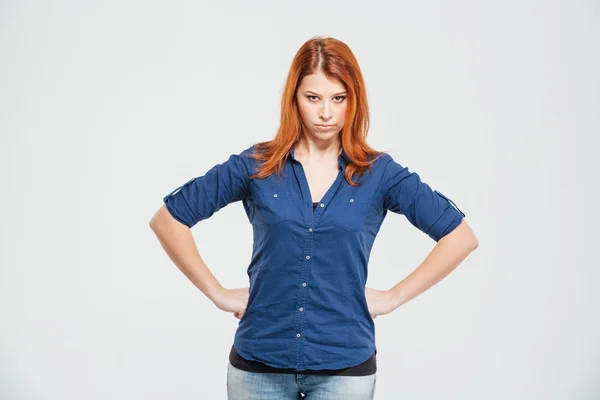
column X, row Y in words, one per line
column 310, row 229
column 308, row 257
column 301, row 309
column 322, row 205
column 275, row 195
column 351, row 200
column 297, row 335
column 304, row 284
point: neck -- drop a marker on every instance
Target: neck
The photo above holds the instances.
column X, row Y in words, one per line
column 308, row 148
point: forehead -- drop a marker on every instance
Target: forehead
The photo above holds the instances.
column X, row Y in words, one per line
column 321, row 84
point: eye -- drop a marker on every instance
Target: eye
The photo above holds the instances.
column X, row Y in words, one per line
column 338, row 99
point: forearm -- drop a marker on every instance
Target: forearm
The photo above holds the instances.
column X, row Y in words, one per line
column 447, row 254
column 178, row 242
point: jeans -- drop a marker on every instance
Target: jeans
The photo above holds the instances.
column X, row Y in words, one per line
column 273, row 386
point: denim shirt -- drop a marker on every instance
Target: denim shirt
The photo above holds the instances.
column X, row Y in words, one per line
column 307, row 307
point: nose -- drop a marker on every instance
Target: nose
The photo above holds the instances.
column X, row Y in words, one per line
column 325, row 112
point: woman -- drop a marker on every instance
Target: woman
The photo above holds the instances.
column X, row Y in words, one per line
column 316, row 196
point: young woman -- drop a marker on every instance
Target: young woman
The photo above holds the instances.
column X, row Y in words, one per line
column 316, row 196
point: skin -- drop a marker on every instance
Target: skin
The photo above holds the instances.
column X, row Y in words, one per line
column 320, row 101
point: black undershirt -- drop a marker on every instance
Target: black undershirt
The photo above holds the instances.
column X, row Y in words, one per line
column 366, row 368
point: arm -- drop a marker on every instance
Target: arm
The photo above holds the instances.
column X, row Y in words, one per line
column 178, row 242
column 196, row 200
column 447, row 254
column 432, row 213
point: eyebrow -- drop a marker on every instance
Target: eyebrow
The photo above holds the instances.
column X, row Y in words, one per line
column 316, row 94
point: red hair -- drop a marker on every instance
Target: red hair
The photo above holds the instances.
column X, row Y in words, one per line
column 336, row 61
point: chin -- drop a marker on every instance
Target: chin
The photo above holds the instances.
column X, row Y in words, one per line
column 326, row 135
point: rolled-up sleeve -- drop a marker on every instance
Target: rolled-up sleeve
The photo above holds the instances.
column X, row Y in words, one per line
column 425, row 208
column 200, row 197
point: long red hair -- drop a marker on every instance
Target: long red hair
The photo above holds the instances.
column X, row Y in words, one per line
column 336, row 61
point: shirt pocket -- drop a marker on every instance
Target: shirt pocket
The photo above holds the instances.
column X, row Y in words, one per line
column 350, row 213
column 271, row 207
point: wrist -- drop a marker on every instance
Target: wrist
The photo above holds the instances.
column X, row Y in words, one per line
column 397, row 298
column 214, row 292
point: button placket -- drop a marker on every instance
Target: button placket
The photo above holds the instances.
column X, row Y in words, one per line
column 312, row 218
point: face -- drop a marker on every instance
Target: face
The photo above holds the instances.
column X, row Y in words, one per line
column 322, row 106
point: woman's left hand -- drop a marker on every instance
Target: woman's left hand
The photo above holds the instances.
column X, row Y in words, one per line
column 380, row 302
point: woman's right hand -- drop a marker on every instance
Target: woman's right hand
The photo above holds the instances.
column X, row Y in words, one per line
column 232, row 300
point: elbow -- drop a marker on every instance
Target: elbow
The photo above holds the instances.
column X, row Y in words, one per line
column 153, row 227
column 468, row 236
column 162, row 220
column 474, row 243
column 154, row 221
column 464, row 237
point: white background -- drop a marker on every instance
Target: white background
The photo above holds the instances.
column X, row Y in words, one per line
column 106, row 107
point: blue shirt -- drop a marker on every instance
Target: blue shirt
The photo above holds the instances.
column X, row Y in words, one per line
column 307, row 307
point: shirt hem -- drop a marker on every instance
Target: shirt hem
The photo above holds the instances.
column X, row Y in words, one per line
column 349, row 364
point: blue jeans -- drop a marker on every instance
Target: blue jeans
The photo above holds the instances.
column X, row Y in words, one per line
column 273, row 386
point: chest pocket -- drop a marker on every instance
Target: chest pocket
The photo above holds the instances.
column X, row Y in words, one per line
column 271, row 207
column 349, row 213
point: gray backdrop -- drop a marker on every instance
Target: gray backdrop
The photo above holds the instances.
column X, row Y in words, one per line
column 105, row 107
